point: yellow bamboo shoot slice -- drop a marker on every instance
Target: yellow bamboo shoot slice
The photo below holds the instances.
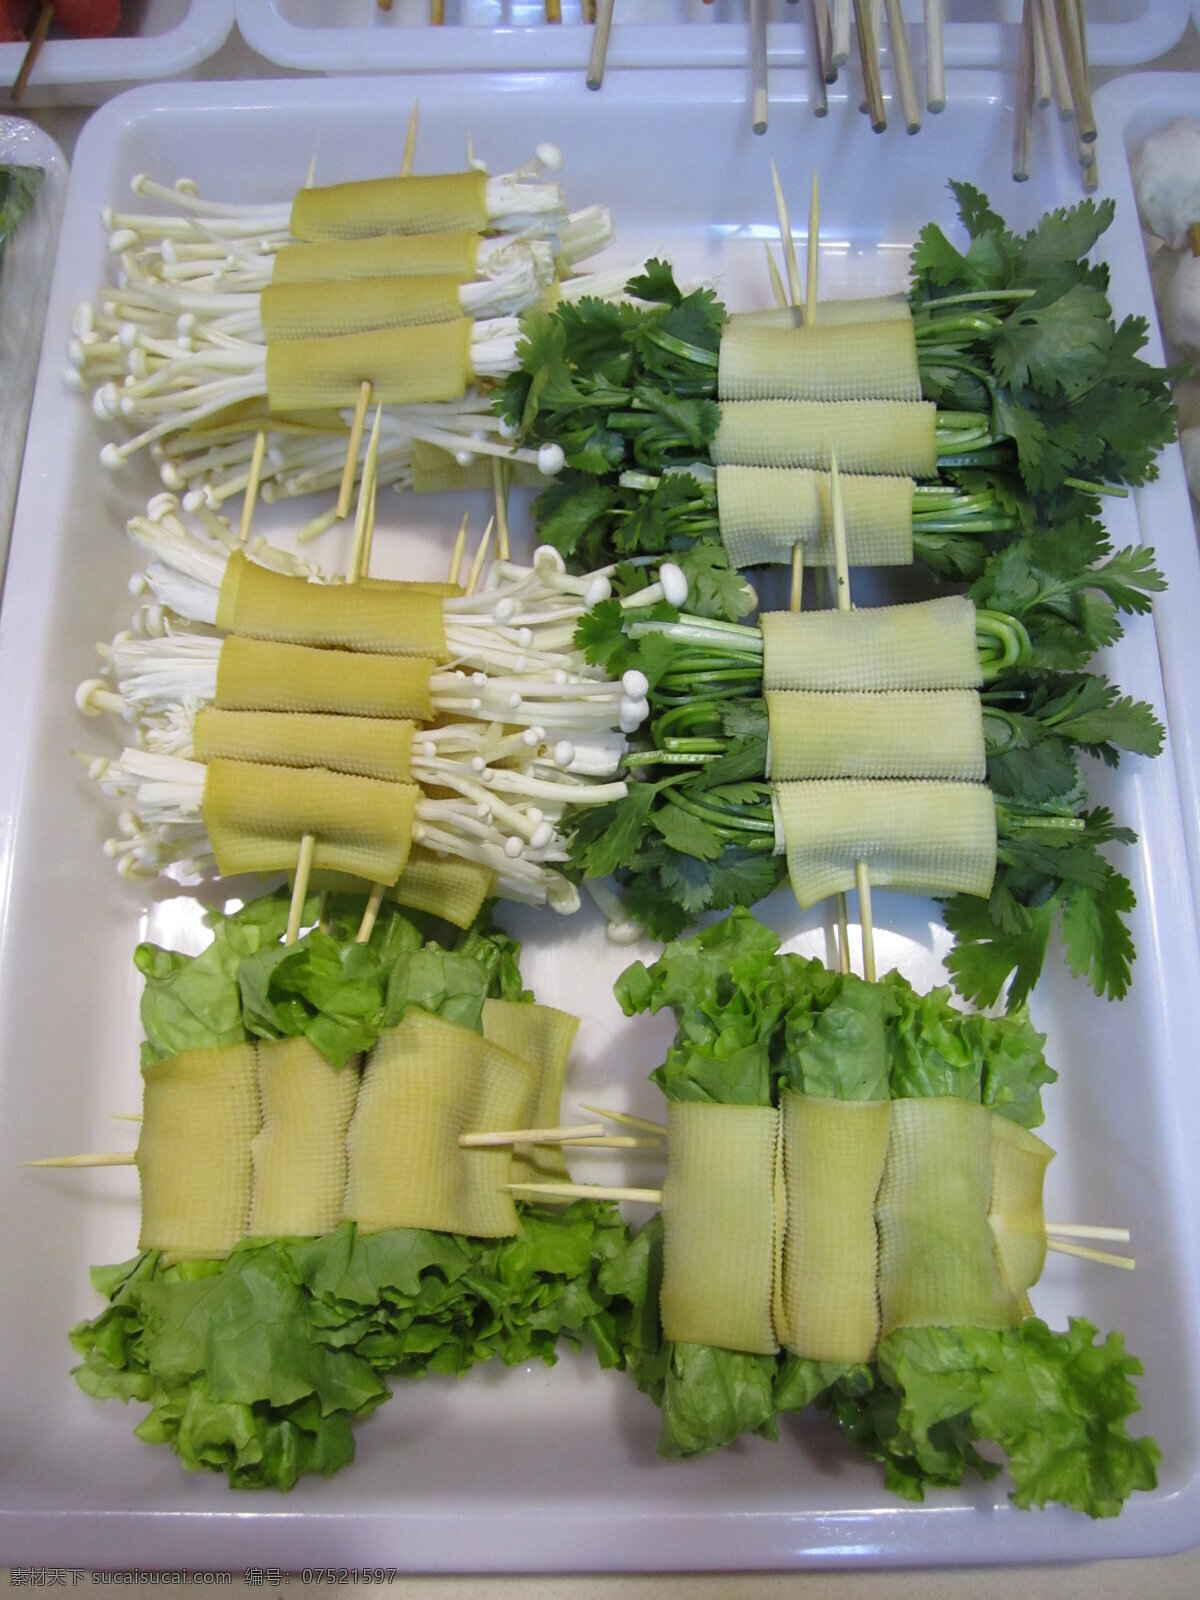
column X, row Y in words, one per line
column 926, row 837
column 543, row 1036
column 442, row 885
column 765, row 511
column 404, row 366
column 314, row 310
column 451, row 889
column 373, row 747
column 833, row 1154
column 1018, row 1223
column 718, row 1210
column 384, row 618
column 831, row 313
column 256, row 816
column 926, row 645
column 888, row 436
column 266, row 675
column 200, row 1112
column 299, row 1153
column 854, row 361
column 361, row 210
column 386, row 256
column 937, row 1259
column 905, row 733
column 435, row 471
column 426, row 1082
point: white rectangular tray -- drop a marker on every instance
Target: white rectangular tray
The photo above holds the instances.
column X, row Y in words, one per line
column 536, row 1470
column 507, row 35
column 157, row 39
column 28, row 261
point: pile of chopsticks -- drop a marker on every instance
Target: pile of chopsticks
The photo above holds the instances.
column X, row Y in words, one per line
column 1053, row 66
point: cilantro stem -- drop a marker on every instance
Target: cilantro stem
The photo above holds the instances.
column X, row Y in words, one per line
column 633, row 759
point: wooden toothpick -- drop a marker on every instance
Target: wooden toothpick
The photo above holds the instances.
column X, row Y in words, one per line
column 627, row 1119
column 785, row 238
column 456, row 554
column 112, row 1158
column 862, row 880
column 586, row 1191
column 602, row 17
column 1103, row 1257
column 502, row 1136
column 814, row 229
column 250, row 498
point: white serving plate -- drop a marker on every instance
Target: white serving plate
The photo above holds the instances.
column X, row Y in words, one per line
column 535, row 1470
column 507, row 35
column 28, row 260
column 157, row 39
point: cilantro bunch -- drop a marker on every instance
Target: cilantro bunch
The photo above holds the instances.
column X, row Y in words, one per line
column 696, row 832
column 749, row 1021
column 1043, row 402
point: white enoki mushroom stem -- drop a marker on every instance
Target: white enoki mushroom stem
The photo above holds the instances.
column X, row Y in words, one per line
column 163, row 827
column 522, row 198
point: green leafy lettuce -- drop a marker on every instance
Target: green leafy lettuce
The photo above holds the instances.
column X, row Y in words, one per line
column 750, row 1020
column 257, row 1365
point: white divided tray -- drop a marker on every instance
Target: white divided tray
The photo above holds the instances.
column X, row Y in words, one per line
column 500, row 35
column 536, row 1469
column 156, row 39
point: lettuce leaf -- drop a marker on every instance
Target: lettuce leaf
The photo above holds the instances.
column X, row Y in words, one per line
column 257, row 1366
column 327, row 986
column 1054, row 1403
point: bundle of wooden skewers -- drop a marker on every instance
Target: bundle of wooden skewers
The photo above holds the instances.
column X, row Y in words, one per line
column 1052, row 63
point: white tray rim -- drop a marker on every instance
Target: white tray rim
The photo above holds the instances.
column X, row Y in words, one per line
column 671, row 1541
column 506, row 48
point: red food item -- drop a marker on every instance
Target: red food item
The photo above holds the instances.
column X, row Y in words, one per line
column 14, row 21
column 88, row 19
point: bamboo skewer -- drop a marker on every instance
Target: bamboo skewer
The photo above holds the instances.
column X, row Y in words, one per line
column 34, row 49
column 1057, row 60
column 300, row 887
column 456, row 554
column 906, row 84
column 868, row 49
column 758, row 65
column 111, row 1158
column 1104, row 1257
column 862, row 880
column 1073, row 50
column 777, row 288
column 1023, row 110
column 627, row 1119
column 785, row 238
column 840, row 32
column 824, row 40
column 602, row 16
column 820, row 56
column 935, row 56
column 250, row 498
column 1042, row 91
column 1084, row 1230
column 811, row 261
column 502, row 1136
column 586, row 1191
